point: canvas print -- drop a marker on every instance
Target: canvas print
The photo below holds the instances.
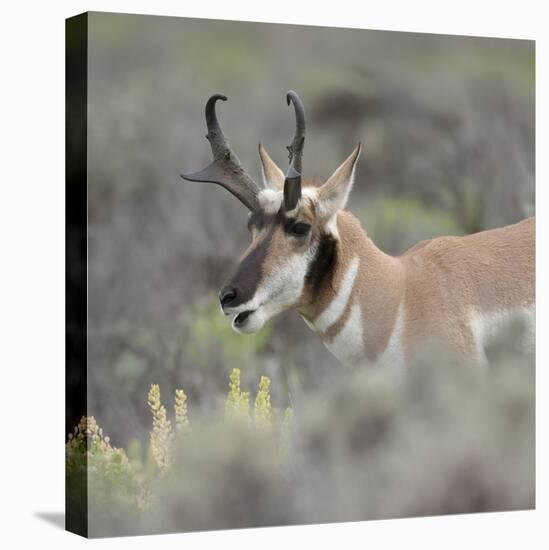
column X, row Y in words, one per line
column 300, row 275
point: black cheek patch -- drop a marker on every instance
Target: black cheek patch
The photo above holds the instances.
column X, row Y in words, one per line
column 322, row 263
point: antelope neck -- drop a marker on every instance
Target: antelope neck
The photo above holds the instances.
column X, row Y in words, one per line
column 357, row 306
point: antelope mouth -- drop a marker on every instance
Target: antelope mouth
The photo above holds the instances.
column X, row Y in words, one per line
column 241, row 319
column 249, row 321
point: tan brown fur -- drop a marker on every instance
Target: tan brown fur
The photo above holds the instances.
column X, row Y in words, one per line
column 439, row 283
column 449, row 278
column 378, row 288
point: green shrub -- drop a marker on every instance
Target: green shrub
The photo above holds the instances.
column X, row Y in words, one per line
column 101, row 479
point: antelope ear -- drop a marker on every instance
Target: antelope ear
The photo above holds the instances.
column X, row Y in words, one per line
column 332, row 196
column 273, row 176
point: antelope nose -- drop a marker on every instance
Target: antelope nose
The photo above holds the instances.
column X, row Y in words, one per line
column 227, row 296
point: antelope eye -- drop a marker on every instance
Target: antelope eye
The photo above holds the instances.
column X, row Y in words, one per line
column 299, row 229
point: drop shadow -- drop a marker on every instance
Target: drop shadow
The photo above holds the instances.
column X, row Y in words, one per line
column 57, row 519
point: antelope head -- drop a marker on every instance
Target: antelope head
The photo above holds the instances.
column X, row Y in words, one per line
column 292, row 224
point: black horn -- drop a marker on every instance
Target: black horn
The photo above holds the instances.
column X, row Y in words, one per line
column 225, row 170
column 295, row 149
column 292, row 182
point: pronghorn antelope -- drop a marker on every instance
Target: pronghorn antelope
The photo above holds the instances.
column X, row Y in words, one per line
column 308, row 253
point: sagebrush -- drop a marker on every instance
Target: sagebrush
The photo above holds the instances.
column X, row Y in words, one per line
column 445, row 439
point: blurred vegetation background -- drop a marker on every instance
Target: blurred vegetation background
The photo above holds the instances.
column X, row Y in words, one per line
column 447, row 125
column 447, row 439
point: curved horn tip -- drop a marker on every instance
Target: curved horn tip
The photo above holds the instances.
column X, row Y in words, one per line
column 217, row 96
column 212, row 100
column 291, row 96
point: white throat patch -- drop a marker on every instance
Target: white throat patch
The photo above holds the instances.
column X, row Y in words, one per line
column 348, row 344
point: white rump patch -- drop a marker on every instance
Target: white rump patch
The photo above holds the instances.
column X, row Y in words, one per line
column 337, row 306
column 348, row 344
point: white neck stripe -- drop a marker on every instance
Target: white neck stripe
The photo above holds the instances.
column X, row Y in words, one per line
column 337, row 306
column 348, row 344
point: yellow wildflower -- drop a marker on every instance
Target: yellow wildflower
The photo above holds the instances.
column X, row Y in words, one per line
column 263, row 412
column 238, row 402
column 181, row 418
column 161, row 434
